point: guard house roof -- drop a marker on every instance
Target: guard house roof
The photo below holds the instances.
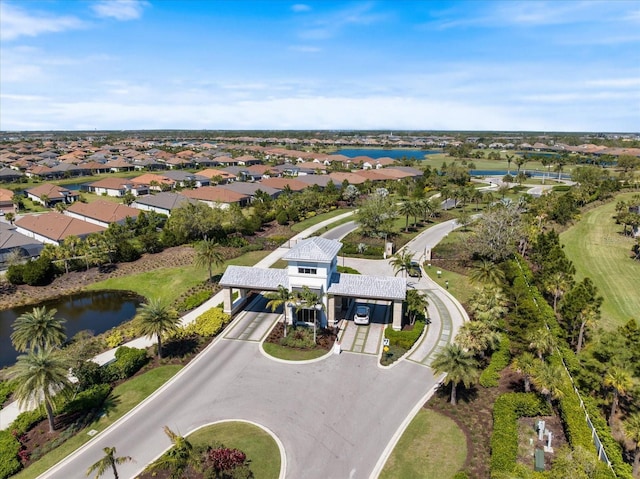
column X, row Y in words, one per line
column 254, row 278
column 363, row 286
column 316, row 249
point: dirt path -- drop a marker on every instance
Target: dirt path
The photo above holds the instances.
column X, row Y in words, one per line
column 11, row 296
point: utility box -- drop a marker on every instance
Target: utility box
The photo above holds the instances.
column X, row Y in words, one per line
column 388, row 249
column 539, row 460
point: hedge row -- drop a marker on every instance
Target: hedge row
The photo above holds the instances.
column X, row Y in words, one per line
column 27, row 420
column 499, row 360
column 88, row 399
column 128, row 362
column 6, row 388
column 504, row 440
column 9, row 448
column 404, row 339
column 194, row 300
column 209, row 323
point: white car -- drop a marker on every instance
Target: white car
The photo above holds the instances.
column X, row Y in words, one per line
column 362, row 315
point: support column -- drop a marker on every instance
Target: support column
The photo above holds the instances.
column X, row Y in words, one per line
column 397, row 315
column 331, row 311
column 228, row 303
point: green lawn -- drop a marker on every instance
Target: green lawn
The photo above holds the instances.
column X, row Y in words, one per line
column 255, row 442
column 459, row 285
column 432, row 447
column 303, row 225
column 598, row 250
column 170, row 283
column 289, row 354
column 123, row 399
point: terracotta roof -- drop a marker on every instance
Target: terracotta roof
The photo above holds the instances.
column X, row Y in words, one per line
column 372, row 175
column 394, row 173
column 215, row 194
column 112, row 183
column 148, row 178
column 52, row 191
column 352, row 178
column 281, row 183
column 105, row 211
column 6, row 195
column 56, row 226
column 211, row 172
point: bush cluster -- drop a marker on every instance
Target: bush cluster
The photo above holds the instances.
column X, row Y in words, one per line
column 6, row 388
column 504, row 440
column 128, row 362
column 299, row 337
column 404, row 339
column 347, row 269
column 27, row 420
column 9, row 448
column 349, row 248
column 499, row 360
column 194, row 300
column 209, row 323
column 34, row 273
column 88, row 399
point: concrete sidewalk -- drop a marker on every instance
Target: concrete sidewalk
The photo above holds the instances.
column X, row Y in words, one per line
column 9, row 413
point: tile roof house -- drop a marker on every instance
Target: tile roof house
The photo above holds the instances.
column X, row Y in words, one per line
column 6, row 201
column 116, row 187
column 353, row 179
column 101, row 212
column 218, row 176
column 53, row 228
column 184, row 179
column 119, row 164
column 11, row 240
column 154, row 182
column 283, row 183
column 163, row 203
column 48, row 194
column 251, row 189
column 217, row 196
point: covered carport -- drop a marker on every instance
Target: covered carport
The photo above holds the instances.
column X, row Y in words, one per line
column 244, row 279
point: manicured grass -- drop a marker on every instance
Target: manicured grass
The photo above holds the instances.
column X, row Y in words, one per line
column 165, row 283
column 91, row 197
column 122, row 399
column 280, row 264
column 170, row 283
column 303, row 225
column 255, row 442
column 459, row 285
column 289, row 354
column 432, row 447
column 599, row 251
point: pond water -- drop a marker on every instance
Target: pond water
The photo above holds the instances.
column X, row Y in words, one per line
column 96, row 311
column 536, row 173
column 395, row 153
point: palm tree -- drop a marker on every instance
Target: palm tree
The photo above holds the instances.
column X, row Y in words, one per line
column 557, row 285
column 486, row 272
column 588, row 317
column 208, row 254
column 509, row 159
column 477, row 337
column 489, row 305
column 307, row 299
column 520, row 162
column 157, row 318
column 109, row 461
column 407, row 209
column 38, row 377
column 546, row 161
column 620, row 381
column 548, row 379
column 178, row 458
column 281, row 297
column 542, row 342
column 416, row 303
column 459, row 366
column 38, row 330
column 525, row 364
column 632, row 430
column 11, row 217
column 401, row 261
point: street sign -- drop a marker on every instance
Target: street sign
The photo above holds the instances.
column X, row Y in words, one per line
column 385, row 342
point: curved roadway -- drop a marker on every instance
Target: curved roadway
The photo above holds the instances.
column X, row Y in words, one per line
column 338, row 417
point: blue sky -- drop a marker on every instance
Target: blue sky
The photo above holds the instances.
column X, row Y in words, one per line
column 189, row 64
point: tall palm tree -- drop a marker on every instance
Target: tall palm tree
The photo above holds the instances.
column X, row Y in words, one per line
column 477, row 337
column 156, row 318
column 38, row 330
column 401, row 261
column 588, row 317
column 308, row 299
column 407, row 209
column 619, row 380
column 557, row 285
column 486, row 272
column 489, row 305
column 459, row 366
column 178, row 458
column 39, row 376
column 632, row 430
column 525, row 364
column 108, row 461
column 281, row 297
column 208, row 254
column 542, row 342
column 548, row 379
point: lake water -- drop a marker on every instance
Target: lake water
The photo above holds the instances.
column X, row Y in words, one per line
column 395, row 153
column 535, row 173
column 97, row 311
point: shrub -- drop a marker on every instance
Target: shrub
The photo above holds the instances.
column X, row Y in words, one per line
column 114, row 338
column 499, row 360
column 299, row 337
column 6, row 388
column 347, row 269
column 282, row 218
column 15, row 274
column 404, row 339
column 27, row 420
column 126, row 252
column 209, row 323
column 89, row 399
column 194, row 300
column 88, row 374
column 128, row 362
column 504, row 440
column 38, row 272
column 9, row 448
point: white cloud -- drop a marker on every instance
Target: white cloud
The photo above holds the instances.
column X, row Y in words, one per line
column 120, row 9
column 300, row 7
column 305, row 49
column 16, row 22
column 329, row 25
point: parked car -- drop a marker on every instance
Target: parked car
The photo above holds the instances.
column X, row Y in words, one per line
column 414, row 270
column 362, row 315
